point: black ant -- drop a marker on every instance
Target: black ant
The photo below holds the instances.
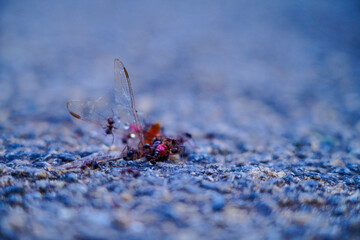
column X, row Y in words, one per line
column 110, row 127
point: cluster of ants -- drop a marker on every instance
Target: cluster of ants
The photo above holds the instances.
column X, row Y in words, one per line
column 154, row 147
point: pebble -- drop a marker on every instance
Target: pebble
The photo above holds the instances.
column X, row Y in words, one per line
column 13, row 146
column 66, row 157
column 6, row 181
column 34, row 156
column 144, row 191
column 342, row 171
column 354, row 167
column 13, row 189
column 201, row 158
column 70, row 177
column 42, row 174
column 15, row 199
column 218, row 202
column 263, row 208
column 13, row 155
column 219, row 187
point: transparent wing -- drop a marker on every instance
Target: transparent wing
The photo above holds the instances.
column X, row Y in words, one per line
column 123, row 91
column 124, row 96
column 96, row 112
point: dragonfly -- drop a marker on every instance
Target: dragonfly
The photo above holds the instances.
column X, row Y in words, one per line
column 112, row 115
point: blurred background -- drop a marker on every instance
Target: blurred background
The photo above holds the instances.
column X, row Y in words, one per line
column 215, row 65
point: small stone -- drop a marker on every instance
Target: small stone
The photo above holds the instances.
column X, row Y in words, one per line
column 14, row 199
column 6, row 181
column 121, row 219
column 219, row 187
column 13, row 146
column 311, row 199
column 24, row 171
column 40, row 164
column 354, row 168
column 70, row 177
column 263, row 208
column 218, row 202
column 34, row 156
column 201, row 158
column 42, row 174
column 240, row 146
column 31, row 196
column 343, row 171
column 66, row 157
column 335, row 199
column 13, row 155
column 144, row 191
column 127, row 197
column 339, row 210
column 14, row 189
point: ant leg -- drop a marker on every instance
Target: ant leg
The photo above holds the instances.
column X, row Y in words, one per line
column 182, row 151
column 189, row 139
column 122, row 152
column 112, row 147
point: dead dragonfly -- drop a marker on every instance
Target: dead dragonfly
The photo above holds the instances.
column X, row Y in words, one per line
column 152, row 143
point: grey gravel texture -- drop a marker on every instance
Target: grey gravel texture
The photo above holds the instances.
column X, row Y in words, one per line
column 270, row 91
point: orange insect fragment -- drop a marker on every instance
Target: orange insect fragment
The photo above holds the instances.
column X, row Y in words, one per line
column 152, row 132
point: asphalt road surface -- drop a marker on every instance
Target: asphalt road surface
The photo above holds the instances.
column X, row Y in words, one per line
column 269, row 90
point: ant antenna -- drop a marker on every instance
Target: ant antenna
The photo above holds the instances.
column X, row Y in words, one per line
column 189, row 139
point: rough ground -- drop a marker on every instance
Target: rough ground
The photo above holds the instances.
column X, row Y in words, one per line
column 270, row 91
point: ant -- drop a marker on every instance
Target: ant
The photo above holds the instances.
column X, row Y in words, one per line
column 110, row 127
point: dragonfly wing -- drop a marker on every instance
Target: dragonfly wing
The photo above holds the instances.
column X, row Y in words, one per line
column 96, row 112
column 122, row 86
column 124, row 96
